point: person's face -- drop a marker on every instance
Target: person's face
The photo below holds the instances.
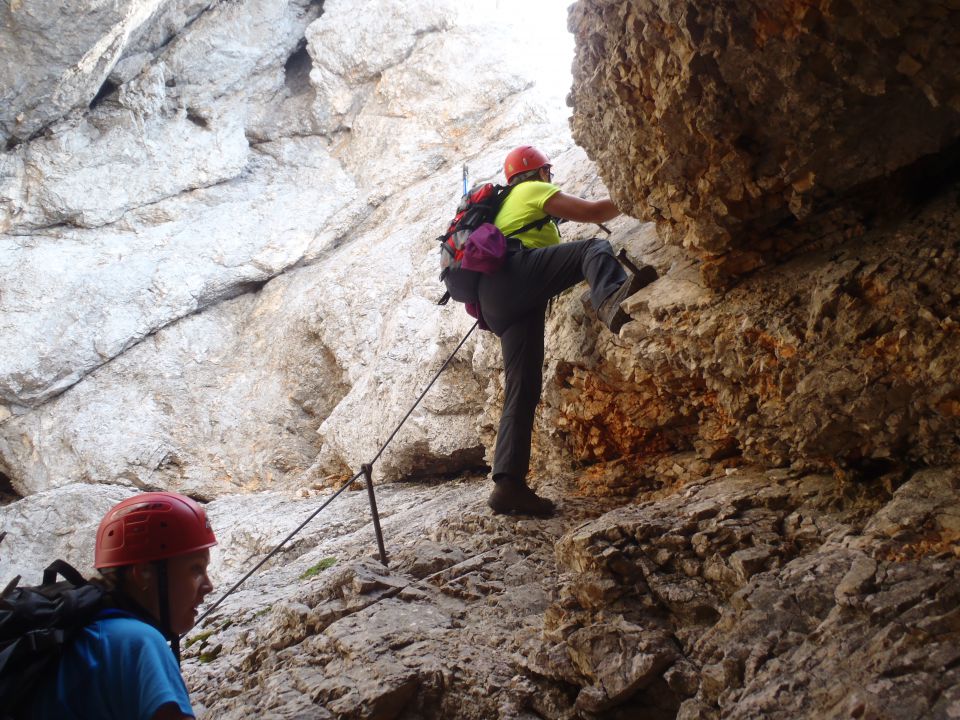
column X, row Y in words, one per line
column 546, row 173
column 189, row 584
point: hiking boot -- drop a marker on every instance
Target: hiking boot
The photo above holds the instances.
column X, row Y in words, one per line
column 610, row 312
column 513, row 497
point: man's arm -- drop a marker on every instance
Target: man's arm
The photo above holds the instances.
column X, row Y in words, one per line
column 571, row 207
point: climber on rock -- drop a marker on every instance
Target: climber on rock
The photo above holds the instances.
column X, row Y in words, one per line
column 152, row 551
column 514, row 302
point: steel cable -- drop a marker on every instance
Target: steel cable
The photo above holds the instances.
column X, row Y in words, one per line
column 343, row 487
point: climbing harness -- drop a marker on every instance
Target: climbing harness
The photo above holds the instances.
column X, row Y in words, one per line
column 366, row 470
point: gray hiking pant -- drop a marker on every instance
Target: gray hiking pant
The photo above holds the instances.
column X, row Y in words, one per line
column 514, row 303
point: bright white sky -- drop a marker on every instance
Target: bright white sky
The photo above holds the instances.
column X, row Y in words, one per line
column 552, row 43
column 550, row 46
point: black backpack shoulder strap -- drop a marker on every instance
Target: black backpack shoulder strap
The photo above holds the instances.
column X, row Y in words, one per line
column 65, row 570
column 536, row 224
column 503, row 191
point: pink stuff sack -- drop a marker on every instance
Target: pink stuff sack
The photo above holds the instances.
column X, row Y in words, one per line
column 485, row 250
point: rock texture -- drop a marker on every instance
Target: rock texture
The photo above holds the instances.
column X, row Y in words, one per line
column 61, row 522
column 140, row 236
column 42, row 81
column 723, row 120
column 842, row 359
column 743, row 593
column 767, row 596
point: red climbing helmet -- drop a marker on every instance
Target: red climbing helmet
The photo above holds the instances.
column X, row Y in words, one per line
column 151, row 526
column 522, row 159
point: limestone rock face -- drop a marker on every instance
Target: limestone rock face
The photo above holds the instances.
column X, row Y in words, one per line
column 153, row 207
column 143, row 345
column 722, row 120
column 51, row 66
column 348, row 66
column 165, row 261
column 777, row 593
column 840, row 359
column 58, row 523
column 212, row 447
column 737, row 593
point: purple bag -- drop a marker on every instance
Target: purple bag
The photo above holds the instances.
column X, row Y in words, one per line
column 485, row 250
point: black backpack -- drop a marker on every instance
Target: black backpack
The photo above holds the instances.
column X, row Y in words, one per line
column 36, row 624
column 477, row 207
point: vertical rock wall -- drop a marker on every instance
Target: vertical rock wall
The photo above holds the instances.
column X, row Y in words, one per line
column 723, row 120
column 799, row 161
column 841, row 359
column 218, row 266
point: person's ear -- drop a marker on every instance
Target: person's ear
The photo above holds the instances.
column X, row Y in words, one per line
column 141, row 574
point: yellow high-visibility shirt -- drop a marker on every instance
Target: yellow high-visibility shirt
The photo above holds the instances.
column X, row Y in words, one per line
column 523, row 205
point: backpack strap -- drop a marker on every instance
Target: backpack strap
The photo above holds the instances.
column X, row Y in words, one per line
column 536, row 224
column 11, row 586
column 65, row 570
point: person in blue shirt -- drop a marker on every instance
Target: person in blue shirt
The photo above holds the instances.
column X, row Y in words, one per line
column 152, row 551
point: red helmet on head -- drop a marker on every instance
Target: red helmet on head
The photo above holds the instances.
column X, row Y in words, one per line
column 522, row 159
column 151, row 526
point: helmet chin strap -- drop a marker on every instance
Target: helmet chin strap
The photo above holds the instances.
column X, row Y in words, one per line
column 163, row 605
column 125, row 601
